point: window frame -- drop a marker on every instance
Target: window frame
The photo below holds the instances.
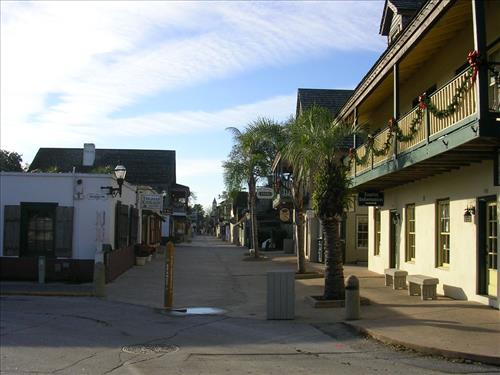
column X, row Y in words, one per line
column 440, row 235
column 377, row 233
column 358, row 219
column 410, row 251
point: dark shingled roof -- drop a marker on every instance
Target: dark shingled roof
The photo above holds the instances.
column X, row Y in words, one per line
column 408, row 8
column 331, row 99
column 155, row 168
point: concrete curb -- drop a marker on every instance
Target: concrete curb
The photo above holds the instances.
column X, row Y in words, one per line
column 491, row 360
column 46, row 293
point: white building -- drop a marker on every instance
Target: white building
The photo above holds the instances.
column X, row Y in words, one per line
column 65, row 217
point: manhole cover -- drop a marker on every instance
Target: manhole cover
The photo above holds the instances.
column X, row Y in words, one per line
column 149, row 349
column 197, row 311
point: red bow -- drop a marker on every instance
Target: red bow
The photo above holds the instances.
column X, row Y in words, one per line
column 393, row 124
column 421, row 101
column 473, row 60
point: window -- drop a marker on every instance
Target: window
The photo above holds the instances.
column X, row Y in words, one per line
column 362, row 231
column 443, row 233
column 376, row 250
column 38, row 228
column 410, row 232
column 491, row 236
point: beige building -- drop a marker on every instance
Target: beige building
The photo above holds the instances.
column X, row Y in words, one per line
column 431, row 107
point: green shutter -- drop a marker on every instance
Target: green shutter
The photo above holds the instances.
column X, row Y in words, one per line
column 64, row 232
column 12, row 230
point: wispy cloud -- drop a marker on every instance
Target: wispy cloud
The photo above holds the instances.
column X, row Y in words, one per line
column 67, row 66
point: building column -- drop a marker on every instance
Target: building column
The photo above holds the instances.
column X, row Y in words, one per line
column 395, row 94
column 479, row 31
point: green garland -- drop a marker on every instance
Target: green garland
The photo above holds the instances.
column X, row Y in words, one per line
column 424, row 103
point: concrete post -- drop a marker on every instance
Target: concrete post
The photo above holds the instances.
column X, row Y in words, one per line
column 352, row 298
column 41, row 269
column 169, row 276
column 99, row 275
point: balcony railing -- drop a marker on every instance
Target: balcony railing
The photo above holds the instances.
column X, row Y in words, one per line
column 430, row 126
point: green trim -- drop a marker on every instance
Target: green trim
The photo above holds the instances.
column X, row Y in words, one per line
column 455, row 135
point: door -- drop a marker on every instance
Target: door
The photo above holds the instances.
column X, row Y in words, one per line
column 38, row 229
column 488, row 246
column 393, row 222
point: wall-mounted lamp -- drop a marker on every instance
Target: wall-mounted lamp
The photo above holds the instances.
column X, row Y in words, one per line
column 469, row 212
column 120, row 172
column 396, row 218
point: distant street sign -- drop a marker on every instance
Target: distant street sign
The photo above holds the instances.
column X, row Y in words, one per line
column 370, row 198
column 152, row 202
column 265, row 193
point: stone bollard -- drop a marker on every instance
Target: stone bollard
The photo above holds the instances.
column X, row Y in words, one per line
column 352, row 298
column 99, row 275
column 41, row 270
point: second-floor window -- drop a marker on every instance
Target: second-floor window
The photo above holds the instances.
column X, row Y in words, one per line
column 376, row 250
column 410, row 232
column 443, row 233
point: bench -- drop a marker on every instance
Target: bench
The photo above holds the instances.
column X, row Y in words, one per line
column 424, row 286
column 396, row 278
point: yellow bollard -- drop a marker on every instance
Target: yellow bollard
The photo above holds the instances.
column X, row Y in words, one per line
column 169, row 275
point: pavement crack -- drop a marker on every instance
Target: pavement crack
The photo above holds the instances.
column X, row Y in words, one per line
column 74, row 363
column 175, row 334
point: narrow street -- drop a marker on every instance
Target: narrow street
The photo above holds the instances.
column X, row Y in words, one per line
column 129, row 333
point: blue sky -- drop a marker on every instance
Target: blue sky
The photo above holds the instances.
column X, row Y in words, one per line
column 171, row 75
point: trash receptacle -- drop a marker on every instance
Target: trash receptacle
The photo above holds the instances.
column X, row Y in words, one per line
column 281, row 295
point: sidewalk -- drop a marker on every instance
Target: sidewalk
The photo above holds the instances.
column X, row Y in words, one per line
column 47, row 289
column 212, row 273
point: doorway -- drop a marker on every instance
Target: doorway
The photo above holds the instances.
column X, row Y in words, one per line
column 488, row 246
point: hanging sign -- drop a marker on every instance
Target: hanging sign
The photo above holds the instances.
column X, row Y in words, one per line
column 265, row 193
column 151, row 202
column 370, row 198
column 285, row 215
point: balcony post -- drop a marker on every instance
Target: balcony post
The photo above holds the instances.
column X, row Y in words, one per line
column 395, row 70
column 355, row 141
column 479, row 25
column 427, row 124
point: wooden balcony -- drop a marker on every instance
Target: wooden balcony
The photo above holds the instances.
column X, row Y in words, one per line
column 439, row 144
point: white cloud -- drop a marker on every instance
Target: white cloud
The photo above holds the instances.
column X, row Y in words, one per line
column 100, row 57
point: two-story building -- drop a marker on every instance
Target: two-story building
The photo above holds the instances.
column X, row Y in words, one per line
column 431, row 106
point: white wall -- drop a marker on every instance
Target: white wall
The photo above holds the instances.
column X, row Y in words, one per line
column 87, row 198
column 462, row 188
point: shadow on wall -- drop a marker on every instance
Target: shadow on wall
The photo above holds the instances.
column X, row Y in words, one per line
column 454, row 292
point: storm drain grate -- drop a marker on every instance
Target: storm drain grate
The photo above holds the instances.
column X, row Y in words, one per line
column 149, row 349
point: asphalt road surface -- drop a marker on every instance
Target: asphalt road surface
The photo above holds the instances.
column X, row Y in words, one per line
column 55, row 335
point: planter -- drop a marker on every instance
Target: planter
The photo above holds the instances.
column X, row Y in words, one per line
column 140, row 261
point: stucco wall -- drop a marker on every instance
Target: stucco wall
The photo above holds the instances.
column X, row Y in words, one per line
column 87, row 198
column 462, row 188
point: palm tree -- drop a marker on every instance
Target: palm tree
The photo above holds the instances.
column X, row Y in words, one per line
column 315, row 151
column 250, row 159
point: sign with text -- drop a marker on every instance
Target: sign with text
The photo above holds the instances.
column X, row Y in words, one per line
column 265, row 193
column 151, row 202
column 370, row 198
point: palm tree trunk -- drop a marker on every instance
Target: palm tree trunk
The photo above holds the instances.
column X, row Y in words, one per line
column 299, row 229
column 253, row 215
column 334, row 273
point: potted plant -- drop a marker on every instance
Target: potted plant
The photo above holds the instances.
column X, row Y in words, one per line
column 141, row 254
